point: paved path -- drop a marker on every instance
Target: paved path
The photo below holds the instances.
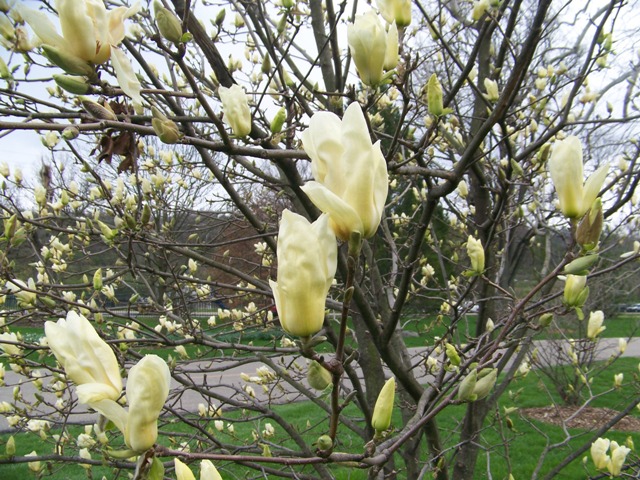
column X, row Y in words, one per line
column 226, row 380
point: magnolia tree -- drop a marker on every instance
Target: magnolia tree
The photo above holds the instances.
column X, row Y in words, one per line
column 249, row 209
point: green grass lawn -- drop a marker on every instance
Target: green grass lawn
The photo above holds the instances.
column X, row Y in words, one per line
column 525, row 438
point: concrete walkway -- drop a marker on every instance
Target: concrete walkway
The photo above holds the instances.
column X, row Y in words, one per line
column 223, row 378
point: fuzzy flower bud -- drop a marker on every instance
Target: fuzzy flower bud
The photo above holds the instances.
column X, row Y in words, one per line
column 169, row 25
column 166, row 129
column 318, row 376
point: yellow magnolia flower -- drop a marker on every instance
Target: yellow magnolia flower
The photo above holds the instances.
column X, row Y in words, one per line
column 618, row 456
column 599, row 453
column 370, row 46
column 90, row 35
column 307, row 259
column 575, row 290
column 85, row 357
column 351, row 174
column 565, row 167
column 183, row 472
column 381, row 418
column 476, row 255
column 395, row 10
column 236, row 109
column 594, row 326
column 208, row 471
column 491, row 86
column 147, row 390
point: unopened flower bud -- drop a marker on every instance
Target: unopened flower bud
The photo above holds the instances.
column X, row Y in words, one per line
column 318, row 376
column 169, row 25
column 486, row 380
column 166, row 129
column 594, row 326
column 581, row 266
column 381, row 418
column 452, row 354
column 72, row 83
column 10, row 447
column 67, row 61
column 476, row 255
column 575, row 291
column 434, row 96
column 70, row 133
column 98, row 111
column 324, row 442
column 468, row 384
column 278, row 121
column 545, row 320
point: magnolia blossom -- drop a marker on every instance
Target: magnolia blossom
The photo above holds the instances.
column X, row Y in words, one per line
column 208, row 471
column 351, row 174
column 90, row 35
column 236, row 109
column 307, row 259
column 594, row 326
column 383, row 409
column 599, row 453
column 147, row 390
column 565, row 167
column 575, row 290
column 491, row 86
column 618, row 456
column 370, row 46
column 183, row 472
column 476, row 254
column 618, row 378
column 398, row 11
column 85, row 357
